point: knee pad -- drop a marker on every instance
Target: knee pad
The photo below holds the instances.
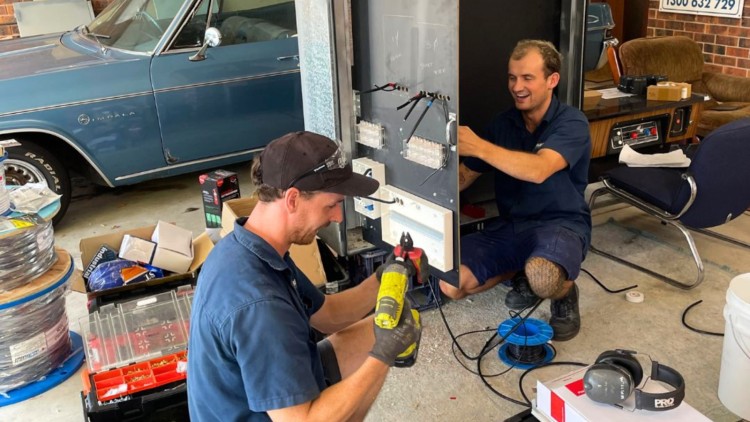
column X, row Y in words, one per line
column 545, row 277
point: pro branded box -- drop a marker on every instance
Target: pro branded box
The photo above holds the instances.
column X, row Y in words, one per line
column 217, row 187
column 564, row 399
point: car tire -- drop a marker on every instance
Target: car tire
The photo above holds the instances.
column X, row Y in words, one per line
column 30, row 163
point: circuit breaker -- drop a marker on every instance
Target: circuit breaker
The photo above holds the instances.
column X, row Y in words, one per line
column 370, row 168
column 430, row 225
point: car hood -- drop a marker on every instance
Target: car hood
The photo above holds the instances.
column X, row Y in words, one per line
column 39, row 55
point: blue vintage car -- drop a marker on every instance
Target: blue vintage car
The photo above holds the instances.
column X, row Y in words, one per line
column 151, row 88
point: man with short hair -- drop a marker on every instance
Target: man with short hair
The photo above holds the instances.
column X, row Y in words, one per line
column 539, row 151
column 252, row 349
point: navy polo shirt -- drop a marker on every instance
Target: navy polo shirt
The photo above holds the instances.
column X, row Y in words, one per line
column 251, row 347
column 560, row 199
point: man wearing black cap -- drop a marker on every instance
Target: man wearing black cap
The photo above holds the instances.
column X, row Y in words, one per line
column 252, row 353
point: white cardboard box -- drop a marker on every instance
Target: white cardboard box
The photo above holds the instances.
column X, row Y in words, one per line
column 174, row 247
column 564, row 399
column 136, row 249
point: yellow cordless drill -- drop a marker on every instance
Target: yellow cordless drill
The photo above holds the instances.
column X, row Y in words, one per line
column 392, row 294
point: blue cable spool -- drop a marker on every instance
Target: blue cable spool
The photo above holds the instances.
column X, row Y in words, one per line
column 531, row 337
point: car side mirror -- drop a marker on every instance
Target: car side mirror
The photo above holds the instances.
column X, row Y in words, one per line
column 212, row 38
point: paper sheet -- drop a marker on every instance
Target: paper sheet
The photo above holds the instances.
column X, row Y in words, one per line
column 610, row 93
column 676, row 158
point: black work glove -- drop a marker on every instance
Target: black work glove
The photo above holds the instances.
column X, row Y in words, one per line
column 391, row 343
column 424, row 267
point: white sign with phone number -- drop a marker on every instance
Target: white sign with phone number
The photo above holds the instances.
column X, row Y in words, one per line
column 724, row 8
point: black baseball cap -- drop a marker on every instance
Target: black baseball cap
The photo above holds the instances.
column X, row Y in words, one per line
column 312, row 162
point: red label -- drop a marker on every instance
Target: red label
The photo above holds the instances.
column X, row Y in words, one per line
column 576, row 387
column 557, row 407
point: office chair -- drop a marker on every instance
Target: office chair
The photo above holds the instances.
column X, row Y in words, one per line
column 713, row 190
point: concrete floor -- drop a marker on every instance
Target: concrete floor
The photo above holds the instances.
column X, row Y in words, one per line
column 438, row 387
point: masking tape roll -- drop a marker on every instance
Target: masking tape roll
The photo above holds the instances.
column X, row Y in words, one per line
column 634, row 297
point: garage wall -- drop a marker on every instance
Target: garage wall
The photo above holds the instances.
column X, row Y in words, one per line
column 8, row 27
column 725, row 42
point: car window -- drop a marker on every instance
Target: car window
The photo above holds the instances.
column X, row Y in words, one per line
column 247, row 21
column 191, row 34
column 134, row 25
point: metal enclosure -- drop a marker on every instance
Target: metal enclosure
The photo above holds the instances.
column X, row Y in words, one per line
column 455, row 52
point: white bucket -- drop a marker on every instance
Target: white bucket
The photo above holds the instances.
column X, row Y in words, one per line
column 734, row 380
column 4, row 196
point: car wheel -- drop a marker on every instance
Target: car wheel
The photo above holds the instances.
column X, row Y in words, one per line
column 30, row 163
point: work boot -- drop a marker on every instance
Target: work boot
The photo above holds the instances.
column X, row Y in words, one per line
column 520, row 296
column 565, row 319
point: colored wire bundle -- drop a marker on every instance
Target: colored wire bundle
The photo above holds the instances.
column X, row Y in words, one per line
column 34, row 339
column 26, row 255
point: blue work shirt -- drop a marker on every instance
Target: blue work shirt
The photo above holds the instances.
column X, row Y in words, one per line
column 559, row 200
column 251, row 347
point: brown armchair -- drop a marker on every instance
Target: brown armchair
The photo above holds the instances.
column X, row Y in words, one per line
column 681, row 60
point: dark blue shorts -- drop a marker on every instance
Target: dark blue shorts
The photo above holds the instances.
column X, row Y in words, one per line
column 498, row 249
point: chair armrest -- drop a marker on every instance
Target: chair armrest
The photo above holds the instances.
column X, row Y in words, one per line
column 727, row 87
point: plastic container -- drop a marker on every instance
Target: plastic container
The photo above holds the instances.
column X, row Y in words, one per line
column 137, row 331
column 165, row 403
column 336, row 275
column 4, row 195
column 734, row 382
column 131, row 379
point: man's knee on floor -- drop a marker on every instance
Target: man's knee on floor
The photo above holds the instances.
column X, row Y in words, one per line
column 546, row 278
column 451, row 291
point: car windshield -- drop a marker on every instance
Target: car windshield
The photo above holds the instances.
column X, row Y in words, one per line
column 135, row 25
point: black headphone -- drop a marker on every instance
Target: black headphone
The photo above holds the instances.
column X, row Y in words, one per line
column 616, row 374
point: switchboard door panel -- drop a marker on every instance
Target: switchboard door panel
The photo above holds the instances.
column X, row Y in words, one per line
column 413, row 44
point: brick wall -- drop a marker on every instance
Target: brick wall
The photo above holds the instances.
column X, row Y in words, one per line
column 8, row 27
column 725, row 42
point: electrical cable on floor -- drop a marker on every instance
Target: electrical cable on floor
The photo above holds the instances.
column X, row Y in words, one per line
column 608, row 290
column 697, row 330
column 26, row 254
column 35, row 339
column 487, row 348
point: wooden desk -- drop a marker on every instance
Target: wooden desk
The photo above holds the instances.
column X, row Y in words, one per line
column 612, row 113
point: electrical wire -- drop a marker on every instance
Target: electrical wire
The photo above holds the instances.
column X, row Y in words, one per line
column 388, row 87
column 421, row 116
column 26, row 254
column 608, row 290
column 443, row 164
column 486, row 349
column 697, row 330
column 34, row 339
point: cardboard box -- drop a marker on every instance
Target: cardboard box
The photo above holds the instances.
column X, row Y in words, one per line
column 234, row 209
column 591, row 98
column 564, row 400
column 217, row 187
column 89, row 246
column 669, row 91
column 307, row 257
column 136, row 249
column 174, row 247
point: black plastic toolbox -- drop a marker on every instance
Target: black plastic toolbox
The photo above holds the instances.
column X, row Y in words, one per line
column 167, row 404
